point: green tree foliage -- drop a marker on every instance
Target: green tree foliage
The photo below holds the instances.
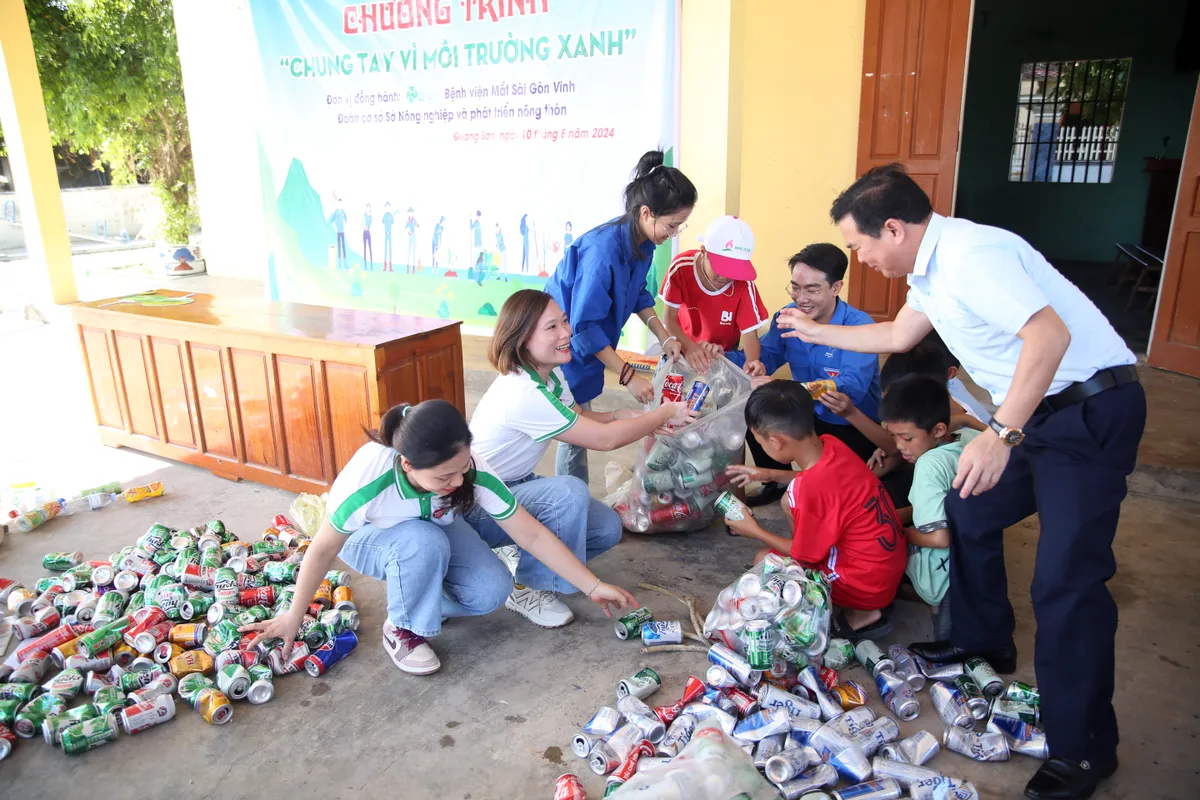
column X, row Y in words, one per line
column 111, row 78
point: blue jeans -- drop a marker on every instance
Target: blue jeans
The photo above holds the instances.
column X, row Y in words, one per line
column 571, row 459
column 565, row 506
column 432, row 571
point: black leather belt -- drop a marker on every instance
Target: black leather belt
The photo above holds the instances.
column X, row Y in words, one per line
column 1078, row 392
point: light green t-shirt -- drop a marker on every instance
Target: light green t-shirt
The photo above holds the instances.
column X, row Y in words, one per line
column 929, row 567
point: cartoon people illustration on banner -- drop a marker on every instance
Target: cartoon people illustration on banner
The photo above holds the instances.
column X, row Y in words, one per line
column 411, row 226
column 502, row 255
column 338, row 220
column 388, row 220
column 437, row 243
column 368, row 250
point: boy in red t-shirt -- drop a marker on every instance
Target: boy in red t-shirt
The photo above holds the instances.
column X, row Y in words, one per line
column 842, row 520
column 712, row 302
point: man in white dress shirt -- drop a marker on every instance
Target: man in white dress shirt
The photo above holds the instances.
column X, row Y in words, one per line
column 1070, row 414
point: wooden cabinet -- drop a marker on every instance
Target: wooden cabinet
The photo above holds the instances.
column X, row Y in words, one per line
column 278, row 393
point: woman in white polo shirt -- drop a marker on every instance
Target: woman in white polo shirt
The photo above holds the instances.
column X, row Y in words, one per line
column 400, row 511
column 528, row 405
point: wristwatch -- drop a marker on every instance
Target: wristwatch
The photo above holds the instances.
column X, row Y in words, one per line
column 1010, row 436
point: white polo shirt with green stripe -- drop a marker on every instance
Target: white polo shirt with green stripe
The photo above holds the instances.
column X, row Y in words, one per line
column 373, row 489
column 518, row 416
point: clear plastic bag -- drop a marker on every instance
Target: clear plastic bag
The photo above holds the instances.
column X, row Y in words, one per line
column 711, row 767
column 794, row 600
column 308, row 512
column 676, row 479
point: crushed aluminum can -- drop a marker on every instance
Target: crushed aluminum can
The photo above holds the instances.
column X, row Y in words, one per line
column 943, row 788
column 583, row 743
column 951, row 705
column 979, row 746
column 851, row 694
column 703, row 712
column 655, row 632
column 641, row 684
column 1022, row 737
column 802, row 730
column 608, row 755
column 829, row 741
column 907, row 666
column 877, row 734
column 719, row 678
column 641, row 715
column 941, row 672
column 789, row 763
column 762, row 724
column 1015, row 709
column 771, row 696
column 919, row 748
column 819, row 777
column 854, row 720
column 678, row 735
column 974, row 696
column 885, row 789
column 604, row 722
column 851, row 764
column 904, row 774
column 897, row 694
column 767, row 748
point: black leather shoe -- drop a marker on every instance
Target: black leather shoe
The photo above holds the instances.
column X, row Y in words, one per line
column 1060, row 779
column 769, row 494
column 1003, row 660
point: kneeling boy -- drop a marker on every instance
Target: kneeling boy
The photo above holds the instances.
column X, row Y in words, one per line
column 842, row 520
column 916, row 412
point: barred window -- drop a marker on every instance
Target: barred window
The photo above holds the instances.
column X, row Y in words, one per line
column 1069, row 120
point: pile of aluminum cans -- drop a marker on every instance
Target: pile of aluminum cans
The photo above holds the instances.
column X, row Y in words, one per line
column 777, row 614
column 807, row 727
column 677, row 478
column 108, row 645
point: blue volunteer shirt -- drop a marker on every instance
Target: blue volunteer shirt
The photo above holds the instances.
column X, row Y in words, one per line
column 856, row 374
column 600, row 283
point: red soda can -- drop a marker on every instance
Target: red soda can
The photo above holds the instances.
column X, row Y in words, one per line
column 294, row 664
column 568, row 787
column 745, row 703
column 672, row 391
column 198, row 577
column 48, row 641
column 697, row 395
column 675, row 511
column 244, row 643
column 247, row 658
column 629, row 766
column 43, row 619
column 692, row 690
column 829, row 678
column 262, row 596
column 147, row 640
column 143, row 619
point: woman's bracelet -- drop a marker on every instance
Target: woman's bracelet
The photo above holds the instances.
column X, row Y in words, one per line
column 669, row 338
column 594, row 588
column 626, row 374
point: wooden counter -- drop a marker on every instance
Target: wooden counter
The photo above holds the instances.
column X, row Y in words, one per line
column 272, row 392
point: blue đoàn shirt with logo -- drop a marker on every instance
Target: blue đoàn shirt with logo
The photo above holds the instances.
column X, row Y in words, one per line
column 856, row 374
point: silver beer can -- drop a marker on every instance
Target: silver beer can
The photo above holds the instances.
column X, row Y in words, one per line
column 979, row 746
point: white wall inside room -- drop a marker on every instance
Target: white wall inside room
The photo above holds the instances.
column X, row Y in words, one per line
column 222, row 81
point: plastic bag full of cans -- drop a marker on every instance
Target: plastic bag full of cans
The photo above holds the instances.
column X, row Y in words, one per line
column 108, row 645
column 777, row 612
column 677, row 478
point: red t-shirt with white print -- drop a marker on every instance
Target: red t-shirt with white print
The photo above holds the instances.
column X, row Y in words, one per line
column 719, row 317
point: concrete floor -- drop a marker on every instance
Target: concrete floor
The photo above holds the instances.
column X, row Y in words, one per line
column 496, row 722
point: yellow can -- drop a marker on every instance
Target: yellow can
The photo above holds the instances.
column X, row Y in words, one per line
column 139, row 493
column 343, row 598
column 214, row 706
column 270, row 534
column 324, row 595
column 166, row 652
column 65, row 651
column 190, row 634
column 190, row 661
column 818, row 388
column 124, row 654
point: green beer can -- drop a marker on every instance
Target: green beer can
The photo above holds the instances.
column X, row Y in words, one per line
column 630, row 625
column 279, row 571
column 251, row 580
column 658, row 482
column 661, row 456
column 30, row 718
column 110, row 606
column 251, row 615
column 688, row 480
column 53, row 727
column 221, row 637
column 90, row 734
column 9, row 709
column 24, row 692
column 730, row 507
column 108, row 699
column 59, row 562
column 1023, row 693
column 338, row 577
column 103, row 638
column 44, row 584
column 759, row 637
column 193, row 683
column 137, row 600
column 196, row 605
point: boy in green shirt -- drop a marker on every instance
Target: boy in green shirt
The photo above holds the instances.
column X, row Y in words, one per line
column 916, row 412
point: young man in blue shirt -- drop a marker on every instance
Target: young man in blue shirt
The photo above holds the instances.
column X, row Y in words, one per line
column 816, row 278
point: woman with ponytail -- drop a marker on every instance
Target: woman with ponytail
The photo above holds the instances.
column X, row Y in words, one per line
column 401, row 511
column 601, row 282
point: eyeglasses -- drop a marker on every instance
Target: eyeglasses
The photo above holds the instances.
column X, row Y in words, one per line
column 808, row 291
column 673, row 230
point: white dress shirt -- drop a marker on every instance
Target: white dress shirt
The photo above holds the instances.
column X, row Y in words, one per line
column 979, row 285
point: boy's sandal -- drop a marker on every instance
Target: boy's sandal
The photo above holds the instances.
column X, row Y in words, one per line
column 839, row 628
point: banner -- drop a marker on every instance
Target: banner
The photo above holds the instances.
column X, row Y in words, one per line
column 431, row 157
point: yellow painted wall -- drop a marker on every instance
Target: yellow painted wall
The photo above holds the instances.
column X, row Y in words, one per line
column 788, row 79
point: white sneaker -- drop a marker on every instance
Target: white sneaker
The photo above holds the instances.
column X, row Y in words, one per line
column 410, row 652
column 542, row 608
column 510, row 555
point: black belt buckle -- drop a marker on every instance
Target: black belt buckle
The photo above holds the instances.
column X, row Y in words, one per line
column 1078, row 392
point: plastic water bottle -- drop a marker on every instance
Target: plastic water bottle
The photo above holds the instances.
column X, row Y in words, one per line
column 89, row 502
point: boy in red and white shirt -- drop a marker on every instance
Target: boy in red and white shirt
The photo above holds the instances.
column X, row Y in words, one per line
column 712, row 303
